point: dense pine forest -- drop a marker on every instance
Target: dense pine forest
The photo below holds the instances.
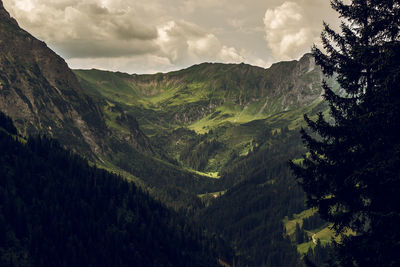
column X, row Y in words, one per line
column 57, row 210
column 60, row 211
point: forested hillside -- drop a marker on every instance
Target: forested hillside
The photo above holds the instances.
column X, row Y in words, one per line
column 262, row 192
column 57, row 210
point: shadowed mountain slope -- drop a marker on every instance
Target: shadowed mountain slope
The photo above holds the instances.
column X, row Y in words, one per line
column 57, row 210
column 42, row 95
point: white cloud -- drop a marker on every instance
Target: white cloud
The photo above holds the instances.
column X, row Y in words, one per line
column 111, row 32
column 294, row 26
column 230, row 54
column 140, row 63
column 87, row 28
column 288, row 31
column 236, row 23
column 204, row 46
column 186, row 43
column 178, row 43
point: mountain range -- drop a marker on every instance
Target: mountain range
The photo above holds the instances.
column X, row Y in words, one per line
column 207, row 98
column 210, row 141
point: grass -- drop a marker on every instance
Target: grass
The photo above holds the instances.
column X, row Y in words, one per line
column 323, row 233
column 134, row 90
column 110, row 167
column 214, row 175
column 290, row 225
column 298, row 161
column 111, row 121
column 304, row 247
column 213, row 194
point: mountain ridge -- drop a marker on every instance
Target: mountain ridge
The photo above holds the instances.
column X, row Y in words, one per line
column 224, row 99
column 41, row 94
column 239, row 91
column 43, row 97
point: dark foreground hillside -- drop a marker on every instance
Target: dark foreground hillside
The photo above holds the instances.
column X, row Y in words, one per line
column 56, row 210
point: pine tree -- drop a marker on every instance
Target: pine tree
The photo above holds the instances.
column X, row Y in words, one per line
column 299, row 234
column 351, row 173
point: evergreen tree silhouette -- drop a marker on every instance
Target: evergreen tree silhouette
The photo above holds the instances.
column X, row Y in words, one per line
column 351, row 173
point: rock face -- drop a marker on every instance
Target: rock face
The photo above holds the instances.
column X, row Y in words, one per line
column 293, row 83
column 42, row 95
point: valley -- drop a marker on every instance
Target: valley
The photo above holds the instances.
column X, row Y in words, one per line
column 236, row 125
column 207, row 146
column 214, row 109
column 188, row 133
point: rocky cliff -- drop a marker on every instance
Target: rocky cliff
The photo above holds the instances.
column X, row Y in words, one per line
column 42, row 95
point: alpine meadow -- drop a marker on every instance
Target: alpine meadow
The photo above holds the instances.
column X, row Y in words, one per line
column 200, row 133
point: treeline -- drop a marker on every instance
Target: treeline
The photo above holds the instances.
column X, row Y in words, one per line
column 188, row 147
column 274, row 150
column 319, row 256
column 57, row 210
column 312, row 222
column 174, row 186
column 197, row 153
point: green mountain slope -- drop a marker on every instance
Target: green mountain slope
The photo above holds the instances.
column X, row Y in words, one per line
column 43, row 96
column 205, row 95
column 227, row 106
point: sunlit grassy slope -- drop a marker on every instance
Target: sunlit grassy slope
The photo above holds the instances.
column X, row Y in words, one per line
column 324, row 232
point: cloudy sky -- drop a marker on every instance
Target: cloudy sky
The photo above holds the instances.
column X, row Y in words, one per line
column 148, row 36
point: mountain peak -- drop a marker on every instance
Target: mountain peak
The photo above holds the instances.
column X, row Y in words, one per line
column 5, row 16
column 41, row 94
